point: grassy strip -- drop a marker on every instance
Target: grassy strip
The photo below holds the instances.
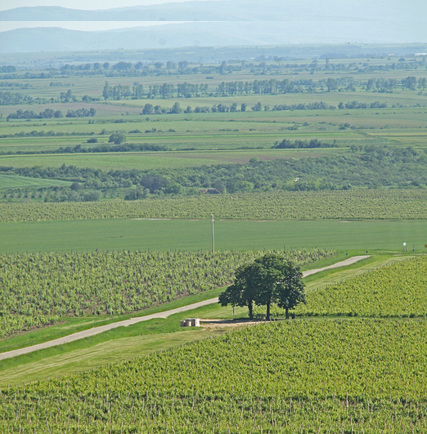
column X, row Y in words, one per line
column 74, row 325
column 144, row 337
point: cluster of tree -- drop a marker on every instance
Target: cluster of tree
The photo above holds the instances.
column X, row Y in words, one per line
column 67, row 96
column 361, row 105
column 59, row 84
column 297, row 144
column 30, row 114
column 260, row 87
column 269, row 279
column 266, row 65
column 7, row 69
column 81, row 113
column 79, row 149
column 318, row 105
column 381, row 85
column 15, row 85
column 263, row 87
column 181, row 90
column 12, row 98
column 42, row 133
column 73, row 195
column 391, row 84
column 119, row 91
column 49, row 114
column 411, row 83
column 130, row 147
column 150, row 109
column 187, row 90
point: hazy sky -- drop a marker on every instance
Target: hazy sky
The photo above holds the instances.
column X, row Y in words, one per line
column 83, row 4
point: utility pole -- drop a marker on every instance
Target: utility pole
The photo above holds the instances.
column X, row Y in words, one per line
column 213, row 234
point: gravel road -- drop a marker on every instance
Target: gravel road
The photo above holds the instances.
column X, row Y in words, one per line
column 101, row 329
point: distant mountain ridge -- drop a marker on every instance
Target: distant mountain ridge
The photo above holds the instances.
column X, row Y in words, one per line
column 223, row 23
column 196, row 34
column 235, row 10
column 193, row 11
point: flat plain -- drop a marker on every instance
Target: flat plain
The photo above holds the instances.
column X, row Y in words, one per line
column 350, row 179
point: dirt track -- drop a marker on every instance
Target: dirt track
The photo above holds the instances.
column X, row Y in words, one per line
column 101, row 329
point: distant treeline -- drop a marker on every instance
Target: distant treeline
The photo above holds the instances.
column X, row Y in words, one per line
column 49, row 114
column 13, row 98
column 301, row 144
column 7, row 69
column 78, row 149
column 150, row 109
column 261, row 65
column 259, row 87
column 226, row 89
column 366, row 166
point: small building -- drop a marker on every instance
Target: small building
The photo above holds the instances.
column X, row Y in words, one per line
column 190, row 322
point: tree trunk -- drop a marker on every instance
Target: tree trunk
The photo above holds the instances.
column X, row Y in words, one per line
column 287, row 313
column 268, row 311
column 250, row 307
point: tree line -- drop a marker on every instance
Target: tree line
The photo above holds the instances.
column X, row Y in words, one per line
column 366, row 166
column 301, row 144
column 49, row 114
column 258, row 87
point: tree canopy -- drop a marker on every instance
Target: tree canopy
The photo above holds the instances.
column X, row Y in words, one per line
column 269, row 279
column 117, row 138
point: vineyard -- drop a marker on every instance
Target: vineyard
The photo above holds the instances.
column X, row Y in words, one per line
column 393, row 291
column 351, row 205
column 38, row 289
column 302, row 376
column 306, row 375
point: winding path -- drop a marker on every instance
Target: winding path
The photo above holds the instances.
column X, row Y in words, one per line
column 101, row 329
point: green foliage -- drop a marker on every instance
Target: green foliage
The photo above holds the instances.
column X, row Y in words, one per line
column 117, row 138
column 392, row 291
column 314, row 143
column 37, row 289
column 270, row 278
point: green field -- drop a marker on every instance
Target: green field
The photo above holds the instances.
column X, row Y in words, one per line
column 319, row 374
column 196, row 235
column 91, row 234
column 12, row 181
column 157, row 160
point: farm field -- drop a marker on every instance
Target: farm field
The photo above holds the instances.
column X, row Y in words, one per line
column 193, row 235
column 335, row 372
column 166, row 160
column 109, row 176
column 357, row 204
column 72, row 284
column 154, row 333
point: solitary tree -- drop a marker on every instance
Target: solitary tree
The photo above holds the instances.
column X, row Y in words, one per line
column 117, row 138
column 270, row 279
